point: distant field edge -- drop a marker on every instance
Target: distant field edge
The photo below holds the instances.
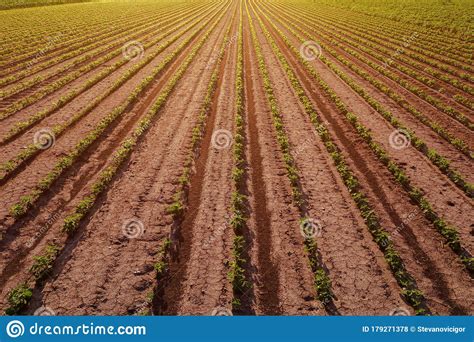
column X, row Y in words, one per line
column 13, row 4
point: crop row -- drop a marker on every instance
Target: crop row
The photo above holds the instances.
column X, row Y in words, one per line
column 103, row 47
column 71, row 35
column 21, row 126
column 20, row 296
column 400, row 100
column 457, row 115
column 55, row 46
column 409, row 42
column 438, row 160
column 177, row 208
column 48, row 45
column 449, row 232
column 240, row 204
column 398, row 50
column 11, row 166
column 322, row 282
column 448, row 44
column 464, row 101
column 429, row 41
column 452, row 38
column 362, row 42
column 421, row 50
column 20, row 208
column 101, row 41
column 407, row 283
column 438, row 22
column 26, row 101
column 29, row 68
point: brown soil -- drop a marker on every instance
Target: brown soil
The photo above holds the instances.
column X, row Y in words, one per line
column 102, row 271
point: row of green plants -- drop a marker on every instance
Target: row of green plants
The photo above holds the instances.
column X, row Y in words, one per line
column 388, row 41
column 23, row 49
column 409, row 289
column 464, row 101
column 19, row 297
column 452, row 112
column 240, row 204
column 89, row 57
column 105, row 178
column 10, row 166
column 50, row 88
column 451, row 47
column 425, row 47
column 444, row 23
column 439, row 70
column 442, row 163
column 16, row 45
column 400, row 100
column 322, row 282
column 98, row 46
column 49, row 54
column 22, row 126
column 449, row 232
column 26, row 202
column 362, row 42
column 352, row 32
column 84, row 53
column 178, row 207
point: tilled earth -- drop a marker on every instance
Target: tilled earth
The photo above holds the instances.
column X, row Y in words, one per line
column 134, row 252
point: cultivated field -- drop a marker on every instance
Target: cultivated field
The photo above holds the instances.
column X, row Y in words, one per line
column 237, row 157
